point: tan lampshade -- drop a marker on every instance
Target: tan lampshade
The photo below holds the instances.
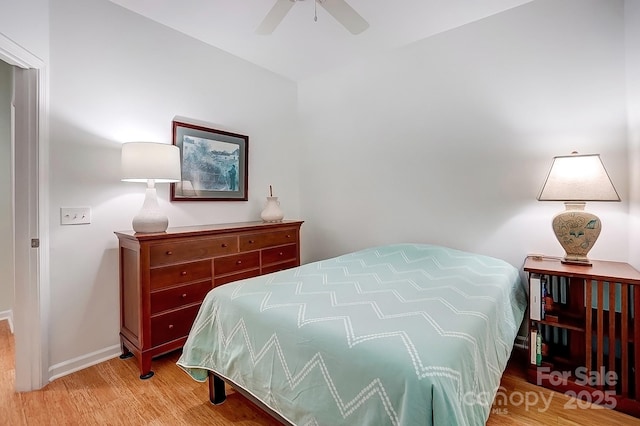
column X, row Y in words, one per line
column 141, row 161
column 578, row 178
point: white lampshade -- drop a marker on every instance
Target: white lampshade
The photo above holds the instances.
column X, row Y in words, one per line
column 150, row 162
column 142, row 161
column 578, row 178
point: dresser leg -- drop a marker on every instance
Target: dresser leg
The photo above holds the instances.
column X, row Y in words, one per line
column 145, row 367
column 146, row 376
column 144, row 363
column 126, row 353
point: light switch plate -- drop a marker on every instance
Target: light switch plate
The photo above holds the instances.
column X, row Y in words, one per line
column 75, row 215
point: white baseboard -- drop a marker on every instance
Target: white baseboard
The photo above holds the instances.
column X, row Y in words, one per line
column 84, row 361
column 7, row 315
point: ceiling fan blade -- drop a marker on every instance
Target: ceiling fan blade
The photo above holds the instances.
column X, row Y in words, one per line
column 275, row 16
column 345, row 14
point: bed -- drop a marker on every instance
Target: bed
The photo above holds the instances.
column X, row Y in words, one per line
column 402, row 334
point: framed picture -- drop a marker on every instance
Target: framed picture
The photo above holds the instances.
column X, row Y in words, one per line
column 213, row 164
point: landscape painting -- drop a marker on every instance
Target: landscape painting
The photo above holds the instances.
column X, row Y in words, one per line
column 213, row 164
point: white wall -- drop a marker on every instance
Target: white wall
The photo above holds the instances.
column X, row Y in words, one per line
column 26, row 22
column 632, row 25
column 448, row 140
column 118, row 77
column 6, row 206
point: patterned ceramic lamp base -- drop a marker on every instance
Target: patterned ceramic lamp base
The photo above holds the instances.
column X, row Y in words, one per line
column 577, row 231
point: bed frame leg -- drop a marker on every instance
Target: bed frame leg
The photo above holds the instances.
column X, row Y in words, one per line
column 217, row 394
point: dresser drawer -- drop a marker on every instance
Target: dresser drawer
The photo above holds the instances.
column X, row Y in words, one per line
column 172, row 325
column 238, row 262
column 279, row 254
column 175, row 252
column 178, row 274
column 179, row 296
column 266, row 239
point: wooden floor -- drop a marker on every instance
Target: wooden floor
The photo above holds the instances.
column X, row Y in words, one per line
column 111, row 394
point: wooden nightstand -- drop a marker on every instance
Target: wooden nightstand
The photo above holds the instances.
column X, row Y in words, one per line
column 589, row 327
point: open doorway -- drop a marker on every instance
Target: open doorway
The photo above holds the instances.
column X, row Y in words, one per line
column 30, row 216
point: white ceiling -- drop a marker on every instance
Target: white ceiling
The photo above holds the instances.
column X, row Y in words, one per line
column 300, row 47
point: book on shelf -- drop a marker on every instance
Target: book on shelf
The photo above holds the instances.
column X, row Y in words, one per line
column 532, row 346
column 543, row 296
column 555, row 286
column 535, row 304
column 535, row 347
column 539, row 349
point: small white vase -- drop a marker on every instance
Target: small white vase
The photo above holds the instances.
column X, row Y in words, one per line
column 272, row 211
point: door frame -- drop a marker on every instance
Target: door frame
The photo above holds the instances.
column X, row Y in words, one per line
column 31, row 212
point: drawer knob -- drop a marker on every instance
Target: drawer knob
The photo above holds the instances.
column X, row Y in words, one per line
column 224, row 245
column 183, row 273
column 288, row 236
column 169, row 252
column 184, row 295
column 251, row 241
column 281, row 254
column 238, row 262
column 170, row 326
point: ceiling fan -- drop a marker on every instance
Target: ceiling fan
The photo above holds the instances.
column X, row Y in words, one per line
column 339, row 9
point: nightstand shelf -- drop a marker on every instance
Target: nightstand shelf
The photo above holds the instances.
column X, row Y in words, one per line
column 587, row 333
column 574, row 324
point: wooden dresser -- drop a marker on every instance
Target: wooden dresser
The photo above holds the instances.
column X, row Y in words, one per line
column 165, row 276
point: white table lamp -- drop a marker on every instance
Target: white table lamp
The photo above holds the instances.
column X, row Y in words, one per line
column 576, row 179
column 152, row 163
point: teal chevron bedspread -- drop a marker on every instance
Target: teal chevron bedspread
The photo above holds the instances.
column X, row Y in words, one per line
column 404, row 334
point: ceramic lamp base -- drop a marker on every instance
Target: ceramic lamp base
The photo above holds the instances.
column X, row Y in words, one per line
column 577, row 232
column 150, row 219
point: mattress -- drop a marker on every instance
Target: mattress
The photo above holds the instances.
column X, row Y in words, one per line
column 402, row 334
